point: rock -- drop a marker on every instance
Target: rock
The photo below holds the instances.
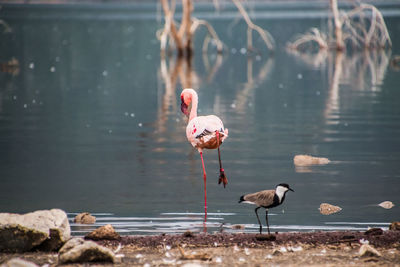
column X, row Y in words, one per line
column 188, row 233
column 266, row 237
column 197, row 256
column 276, row 252
column 238, row 227
column 306, row 160
column 85, row 218
column 77, row 250
column 44, row 229
column 368, row 251
column 104, row 232
column 386, row 204
column 394, row 226
column 327, row 209
column 17, row 262
column 374, row 231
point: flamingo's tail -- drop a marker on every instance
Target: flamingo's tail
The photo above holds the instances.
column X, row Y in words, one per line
column 224, row 134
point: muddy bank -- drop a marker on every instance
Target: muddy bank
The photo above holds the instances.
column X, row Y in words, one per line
column 377, row 238
column 294, row 249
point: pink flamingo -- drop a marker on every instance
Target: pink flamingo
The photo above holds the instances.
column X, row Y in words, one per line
column 203, row 132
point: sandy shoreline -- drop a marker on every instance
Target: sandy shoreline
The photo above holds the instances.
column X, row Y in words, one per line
column 224, row 249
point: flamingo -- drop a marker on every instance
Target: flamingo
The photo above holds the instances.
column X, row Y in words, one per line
column 203, row 132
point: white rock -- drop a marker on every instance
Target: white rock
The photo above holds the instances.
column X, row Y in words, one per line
column 17, row 262
column 386, row 204
column 78, row 250
column 306, row 160
column 48, row 229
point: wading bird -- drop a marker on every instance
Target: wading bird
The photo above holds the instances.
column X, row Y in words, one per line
column 266, row 199
column 203, row 132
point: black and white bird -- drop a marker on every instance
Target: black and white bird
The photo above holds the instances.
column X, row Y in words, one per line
column 266, row 199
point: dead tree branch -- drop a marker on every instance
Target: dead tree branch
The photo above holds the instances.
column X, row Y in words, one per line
column 265, row 35
column 305, row 40
column 183, row 37
column 361, row 27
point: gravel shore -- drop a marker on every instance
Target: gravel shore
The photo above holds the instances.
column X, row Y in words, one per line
column 225, row 249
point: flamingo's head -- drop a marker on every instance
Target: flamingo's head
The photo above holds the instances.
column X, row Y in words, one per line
column 186, row 100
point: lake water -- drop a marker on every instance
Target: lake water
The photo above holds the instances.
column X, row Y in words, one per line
column 91, row 121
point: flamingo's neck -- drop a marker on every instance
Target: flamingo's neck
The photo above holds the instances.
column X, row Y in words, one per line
column 193, row 111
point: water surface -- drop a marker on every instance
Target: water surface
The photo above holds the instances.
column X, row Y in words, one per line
column 92, row 122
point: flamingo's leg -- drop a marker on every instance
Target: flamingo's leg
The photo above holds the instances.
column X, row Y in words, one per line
column 205, row 186
column 222, row 177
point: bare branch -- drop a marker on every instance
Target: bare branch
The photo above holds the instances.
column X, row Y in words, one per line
column 362, row 26
column 196, row 23
column 265, row 35
column 313, row 35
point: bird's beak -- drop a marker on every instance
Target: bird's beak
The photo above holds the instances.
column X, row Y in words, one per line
column 291, row 189
column 184, row 107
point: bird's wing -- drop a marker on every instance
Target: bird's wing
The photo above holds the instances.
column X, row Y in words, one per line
column 205, row 125
column 262, row 198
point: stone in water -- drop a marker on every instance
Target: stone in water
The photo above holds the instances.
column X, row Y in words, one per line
column 327, row 209
column 386, row 204
column 306, row 160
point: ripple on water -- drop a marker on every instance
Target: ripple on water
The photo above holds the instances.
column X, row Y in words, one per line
column 177, row 223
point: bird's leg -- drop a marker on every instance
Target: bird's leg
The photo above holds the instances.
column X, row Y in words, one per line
column 222, row 177
column 266, row 218
column 258, row 219
column 205, row 186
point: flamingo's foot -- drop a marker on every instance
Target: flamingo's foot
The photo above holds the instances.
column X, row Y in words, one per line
column 222, row 178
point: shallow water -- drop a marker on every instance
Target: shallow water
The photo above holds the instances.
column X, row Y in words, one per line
column 91, row 122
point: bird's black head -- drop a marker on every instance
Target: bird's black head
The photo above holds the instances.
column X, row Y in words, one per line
column 286, row 186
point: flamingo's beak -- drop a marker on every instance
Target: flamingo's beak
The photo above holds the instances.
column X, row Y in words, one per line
column 184, row 107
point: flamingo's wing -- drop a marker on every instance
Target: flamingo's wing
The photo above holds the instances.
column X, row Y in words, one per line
column 208, row 125
column 203, row 133
column 201, row 130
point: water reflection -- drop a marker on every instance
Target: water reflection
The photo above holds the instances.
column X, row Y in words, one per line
column 363, row 71
column 253, row 81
